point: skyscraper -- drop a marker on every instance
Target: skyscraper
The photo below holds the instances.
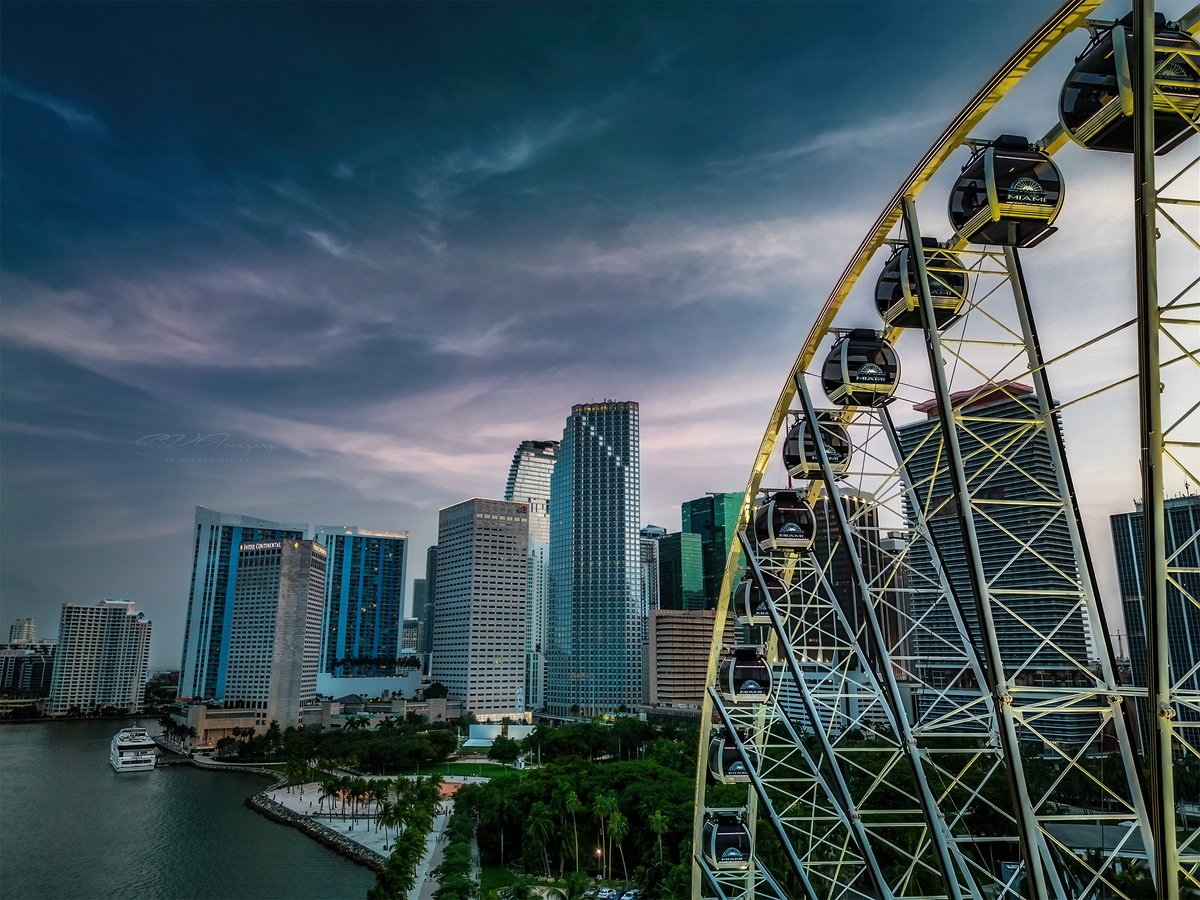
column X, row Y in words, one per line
column 103, row 655
column 364, row 597
column 216, row 539
column 648, row 539
column 410, row 633
column 529, row 484
column 479, row 628
column 594, row 658
column 1024, row 546
column 1181, row 520
column 420, row 596
column 429, row 612
column 275, row 630
column 680, row 572
column 715, row 518
column 26, row 668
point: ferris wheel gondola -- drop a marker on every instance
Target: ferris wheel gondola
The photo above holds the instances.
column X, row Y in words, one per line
column 1008, row 194
column 897, row 296
column 727, row 843
column 726, row 763
column 745, row 676
column 751, row 606
column 862, row 369
column 1096, row 104
column 800, row 456
column 783, row 521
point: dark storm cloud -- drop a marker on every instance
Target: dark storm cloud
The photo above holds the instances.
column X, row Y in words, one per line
column 389, row 241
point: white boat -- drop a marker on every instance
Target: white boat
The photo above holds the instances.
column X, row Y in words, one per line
column 133, row 750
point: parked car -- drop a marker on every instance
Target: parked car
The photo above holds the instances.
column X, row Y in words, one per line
column 607, row 894
column 632, row 894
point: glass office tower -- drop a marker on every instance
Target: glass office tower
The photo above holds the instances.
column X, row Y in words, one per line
column 594, row 653
column 364, row 598
column 714, row 517
column 681, row 572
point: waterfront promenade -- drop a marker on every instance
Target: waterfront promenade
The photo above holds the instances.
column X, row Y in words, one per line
column 302, row 801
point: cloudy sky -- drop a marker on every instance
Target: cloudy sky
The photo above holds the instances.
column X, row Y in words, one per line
column 331, row 263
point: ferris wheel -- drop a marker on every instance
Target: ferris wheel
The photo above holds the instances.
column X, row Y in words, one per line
column 913, row 689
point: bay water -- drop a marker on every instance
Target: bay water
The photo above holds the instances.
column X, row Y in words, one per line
column 73, row 829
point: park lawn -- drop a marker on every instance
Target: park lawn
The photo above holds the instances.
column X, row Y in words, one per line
column 490, row 770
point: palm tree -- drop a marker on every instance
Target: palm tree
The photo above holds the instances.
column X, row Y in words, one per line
column 343, row 790
column 390, row 815
column 298, row 771
column 539, row 828
column 378, row 792
column 359, row 788
column 604, row 806
column 328, row 789
column 572, row 804
column 503, row 815
column 274, row 737
column 618, row 829
column 658, row 824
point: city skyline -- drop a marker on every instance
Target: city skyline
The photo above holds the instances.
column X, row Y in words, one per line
column 318, row 263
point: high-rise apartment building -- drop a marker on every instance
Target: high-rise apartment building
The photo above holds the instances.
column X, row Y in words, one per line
column 275, row 629
column 216, row 538
column 22, row 631
column 681, row 571
column 1036, row 593
column 529, row 484
column 479, row 626
column 594, row 654
column 714, row 517
column 364, row 597
column 677, row 650
column 1181, row 528
column 103, row 656
column 27, row 668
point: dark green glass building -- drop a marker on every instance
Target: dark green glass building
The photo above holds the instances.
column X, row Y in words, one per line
column 680, row 572
column 714, row 518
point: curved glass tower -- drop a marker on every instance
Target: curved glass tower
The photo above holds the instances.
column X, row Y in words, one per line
column 529, row 484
